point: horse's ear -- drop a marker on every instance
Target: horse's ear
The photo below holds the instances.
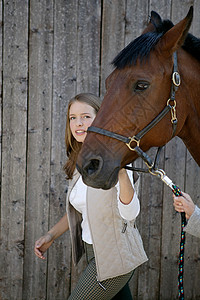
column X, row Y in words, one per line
column 175, row 37
column 155, row 21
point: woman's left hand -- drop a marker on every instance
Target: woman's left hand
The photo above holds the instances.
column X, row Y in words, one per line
column 184, row 204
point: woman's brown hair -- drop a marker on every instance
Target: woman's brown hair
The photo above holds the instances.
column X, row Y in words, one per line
column 72, row 146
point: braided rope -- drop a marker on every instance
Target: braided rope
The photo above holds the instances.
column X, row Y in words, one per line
column 177, row 192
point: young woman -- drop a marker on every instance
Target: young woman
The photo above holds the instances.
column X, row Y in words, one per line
column 192, row 211
column 101, row 222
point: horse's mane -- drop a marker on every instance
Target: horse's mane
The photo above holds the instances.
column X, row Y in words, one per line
column 141, row 47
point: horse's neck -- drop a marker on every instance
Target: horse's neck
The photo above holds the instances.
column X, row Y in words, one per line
column 192, row 142
column 190, row 133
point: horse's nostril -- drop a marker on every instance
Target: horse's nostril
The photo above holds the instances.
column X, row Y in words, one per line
column 92, row 167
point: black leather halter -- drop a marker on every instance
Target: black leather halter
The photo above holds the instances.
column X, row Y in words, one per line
column 171, row 106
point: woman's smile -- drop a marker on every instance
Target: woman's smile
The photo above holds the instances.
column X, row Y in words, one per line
column 80, row 132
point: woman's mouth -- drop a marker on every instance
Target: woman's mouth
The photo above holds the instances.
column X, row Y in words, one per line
column 80, row 132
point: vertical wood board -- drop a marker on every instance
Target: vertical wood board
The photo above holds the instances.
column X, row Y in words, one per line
column 64, row 88
column 13, row 155
column 39, row 143
column 113, row 36
column 88, row 46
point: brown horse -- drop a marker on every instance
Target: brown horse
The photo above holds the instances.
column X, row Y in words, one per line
column 137, row 91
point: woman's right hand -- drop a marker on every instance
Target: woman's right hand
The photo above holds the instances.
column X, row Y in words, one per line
column 42, row 245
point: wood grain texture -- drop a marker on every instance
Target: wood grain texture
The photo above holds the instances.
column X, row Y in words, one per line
column 39, row 143
column 64, row 88
column 113, row 36
column 13, row 152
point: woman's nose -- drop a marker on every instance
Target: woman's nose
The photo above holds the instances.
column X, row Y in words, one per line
column 79, row 122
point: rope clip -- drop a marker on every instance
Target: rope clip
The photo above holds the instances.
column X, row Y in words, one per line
column 162, row 175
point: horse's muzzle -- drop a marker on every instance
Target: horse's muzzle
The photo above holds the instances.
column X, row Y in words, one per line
column 95, row 175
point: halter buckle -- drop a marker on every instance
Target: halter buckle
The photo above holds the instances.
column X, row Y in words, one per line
column 176, row 78
column 133, row 139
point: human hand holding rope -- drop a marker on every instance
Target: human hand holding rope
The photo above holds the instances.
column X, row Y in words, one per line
column 185, row 204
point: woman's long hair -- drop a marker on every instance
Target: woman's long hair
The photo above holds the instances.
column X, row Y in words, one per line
column 72, row 146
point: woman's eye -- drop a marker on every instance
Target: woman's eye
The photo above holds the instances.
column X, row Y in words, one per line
column 141, row 86
column 72, row 118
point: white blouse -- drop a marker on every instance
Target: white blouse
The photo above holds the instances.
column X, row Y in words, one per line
column 78, row 200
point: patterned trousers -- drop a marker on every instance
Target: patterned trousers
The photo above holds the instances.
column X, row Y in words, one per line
column 88, row 288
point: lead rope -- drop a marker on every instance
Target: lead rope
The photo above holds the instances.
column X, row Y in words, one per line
column 177, row 192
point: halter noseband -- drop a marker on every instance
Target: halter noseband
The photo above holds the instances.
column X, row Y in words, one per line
column 171, row 106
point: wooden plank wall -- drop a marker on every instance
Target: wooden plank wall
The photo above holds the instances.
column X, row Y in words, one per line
column 50, row 51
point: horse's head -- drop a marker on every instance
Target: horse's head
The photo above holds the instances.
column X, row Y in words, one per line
column 137, row 91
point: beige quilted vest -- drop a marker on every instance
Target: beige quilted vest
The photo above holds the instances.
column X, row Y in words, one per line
column 117, row 243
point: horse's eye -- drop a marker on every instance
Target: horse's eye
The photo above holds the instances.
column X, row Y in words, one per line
column 141, row 86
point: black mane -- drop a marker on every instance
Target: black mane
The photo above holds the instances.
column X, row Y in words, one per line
column 141, row 47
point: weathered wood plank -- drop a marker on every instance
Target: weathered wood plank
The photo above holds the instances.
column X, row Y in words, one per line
column 162, row 7
column 113, row 36
column 39, row 143
column 150, row 228
column 1, row 79
column 136, row 19
column 14, row 123
column 64, row 88
column 196, row 23
column 87, row 67
column 88, row 46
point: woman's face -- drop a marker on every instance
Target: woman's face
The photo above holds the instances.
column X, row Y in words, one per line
column 81, row 116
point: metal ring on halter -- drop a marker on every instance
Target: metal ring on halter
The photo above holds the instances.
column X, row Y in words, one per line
column 176, row 78
column 149, row 166
column 159, row 172
column 132, row 139
column 168, row 103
